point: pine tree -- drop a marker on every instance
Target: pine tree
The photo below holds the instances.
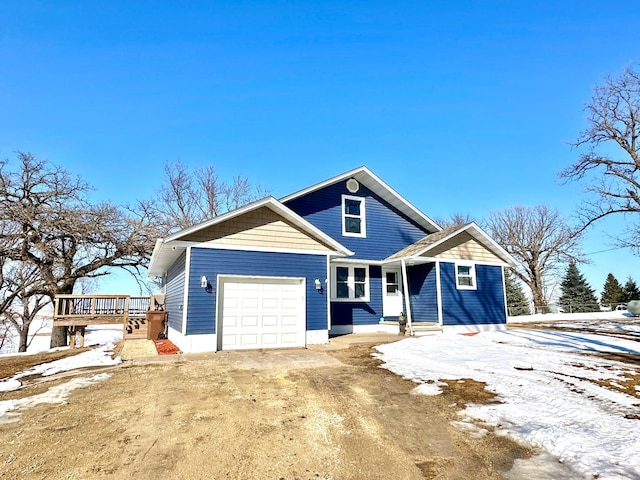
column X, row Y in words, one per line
column 577, row 295
column 630, row 291
column 612, row 292
column 517, row 303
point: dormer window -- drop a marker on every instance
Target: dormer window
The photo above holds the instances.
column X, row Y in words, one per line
column 353, row 216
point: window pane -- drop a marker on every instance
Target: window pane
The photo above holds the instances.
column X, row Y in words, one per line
column 464, row 270
column 359, row 290
column 342, row 290
column 392, row 289
column 360, row 274
column 352, row 225
column 392, row 277
column 352, row 207
column 465, row 281
column 342, row 274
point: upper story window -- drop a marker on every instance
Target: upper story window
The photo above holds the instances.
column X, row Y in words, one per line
column 351, row 283
column 353, row 216
column 465, row 276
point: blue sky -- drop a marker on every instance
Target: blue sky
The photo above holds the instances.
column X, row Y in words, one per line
column 461, row 106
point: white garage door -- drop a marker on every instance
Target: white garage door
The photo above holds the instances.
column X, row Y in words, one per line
column 261, row 313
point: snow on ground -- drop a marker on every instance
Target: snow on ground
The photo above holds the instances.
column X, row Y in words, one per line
column 548, row 395
column 10, row 409
column 102, row 337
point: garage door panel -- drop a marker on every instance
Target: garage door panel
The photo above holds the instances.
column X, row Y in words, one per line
column 262, row 313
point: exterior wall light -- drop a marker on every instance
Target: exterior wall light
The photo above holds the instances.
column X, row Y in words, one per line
column 318, row 284
column 204, row 283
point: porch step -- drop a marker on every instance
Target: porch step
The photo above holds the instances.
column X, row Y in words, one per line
column 424, row 328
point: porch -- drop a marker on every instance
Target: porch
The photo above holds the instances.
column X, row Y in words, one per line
column 134, row 313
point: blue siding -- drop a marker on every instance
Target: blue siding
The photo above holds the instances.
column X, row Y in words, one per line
column 388, row 230
column 210, row 262
column 174, row 290
column 473, row 307
column 423, row 292
column 361, row 313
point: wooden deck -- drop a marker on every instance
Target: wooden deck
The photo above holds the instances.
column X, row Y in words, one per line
column 80, row 311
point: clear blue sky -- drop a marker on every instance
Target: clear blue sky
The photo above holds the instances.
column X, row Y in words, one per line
column 461, row 106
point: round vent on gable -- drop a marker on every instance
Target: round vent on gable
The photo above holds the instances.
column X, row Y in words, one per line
column 352, row 185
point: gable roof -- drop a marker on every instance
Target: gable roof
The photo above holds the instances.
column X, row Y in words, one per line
column 168, row 249
column 366, row 177
column 431, row 242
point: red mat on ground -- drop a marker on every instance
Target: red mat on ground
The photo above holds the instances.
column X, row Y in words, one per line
column 166, row 347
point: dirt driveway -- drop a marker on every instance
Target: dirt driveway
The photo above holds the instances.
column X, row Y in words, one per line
column 328, row 415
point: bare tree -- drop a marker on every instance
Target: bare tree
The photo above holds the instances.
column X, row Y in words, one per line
column 48, row 224
column 187, row 198
column 611, row 164
column 454, row 220
column 540, row 240
column 20, row 285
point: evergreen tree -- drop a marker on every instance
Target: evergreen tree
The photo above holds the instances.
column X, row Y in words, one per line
column 577, row 295
column 517, row 303
column 630, row 291
column 612, row 292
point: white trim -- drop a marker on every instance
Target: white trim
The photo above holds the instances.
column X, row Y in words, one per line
column 439, row 294
column 422, row 260
column 192, row 343
column 317, row 337
column 472, row 275
column 362, row 216
column 504, row 292
column 327, row 285
column 370, row 328
column 185, row 298
column 359, row 261
column 481, row 327
column 367, row 178
column 405, row 282
column 350, row 283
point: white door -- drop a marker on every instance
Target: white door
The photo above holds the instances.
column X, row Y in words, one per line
column 391, row 292
column 261, row 313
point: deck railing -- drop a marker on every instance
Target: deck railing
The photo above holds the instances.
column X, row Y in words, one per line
column 99, row 307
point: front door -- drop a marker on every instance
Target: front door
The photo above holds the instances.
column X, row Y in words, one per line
column 391, row 292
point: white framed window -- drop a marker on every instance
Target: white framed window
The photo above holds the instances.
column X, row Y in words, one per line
column 353, row 216
column 350, row 283
column 465, row 276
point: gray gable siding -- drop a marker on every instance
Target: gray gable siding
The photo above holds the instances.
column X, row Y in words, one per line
column 473, row 307
column 388, row 230
column 212, row 262
column 174, row 290
column 423, row 293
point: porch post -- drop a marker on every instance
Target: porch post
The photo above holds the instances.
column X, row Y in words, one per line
column 438, row 292
column 405, row 287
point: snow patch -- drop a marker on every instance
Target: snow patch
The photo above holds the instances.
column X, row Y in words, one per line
column 9, row 409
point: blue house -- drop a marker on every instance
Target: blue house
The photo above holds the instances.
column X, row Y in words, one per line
column 345, row 255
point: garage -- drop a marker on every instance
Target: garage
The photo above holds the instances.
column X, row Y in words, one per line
column 261, row 312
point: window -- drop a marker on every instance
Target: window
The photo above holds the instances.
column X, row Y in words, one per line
column 351, row 283
column 465, row 276
column 353, row 216
column 392, row 283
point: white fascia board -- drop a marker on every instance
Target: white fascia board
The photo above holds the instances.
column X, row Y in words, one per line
column 154, row 256
column 359, row 261
column 372, row 181
column 421, row 260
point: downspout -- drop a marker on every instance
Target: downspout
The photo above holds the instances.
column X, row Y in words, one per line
column 407, row 299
